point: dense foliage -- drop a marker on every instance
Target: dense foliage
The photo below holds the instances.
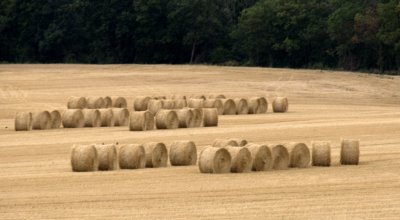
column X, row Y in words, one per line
column 354, row 35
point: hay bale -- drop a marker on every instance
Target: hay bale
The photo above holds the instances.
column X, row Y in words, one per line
column 168, row 103
column 107, row 117
column 121, row 116
column 280, row 104
column 84, row 158
column 107, row 102
column 216, row 96
column 185, row 117
column 159, row 97
column 23, row 121
column 215, row 160
column 154, row 106
column 241, row 159
column 180, row 103
column 92, row 117
column 210, row 117
column 183, row 153
column 229, row 107
column 55, row 119
column 197, row 119
column 321, row 153
column 350, row 152
column 214, row 103
column 195, row 103
column 263, row 105
column 107, row 156
column 242, row 107
column 119, row 102
column 261, row 155
column 225, row 143
column 253, row 104
column 41, row 120
column 175, row 96
column 131, row 156
column 198, row 97
column 73, row 118
column 167, row 119
column 156, row 154
column 241, row 142
column 280, row 157
column 76, row 102
column 141, row 121
column 94, row 102
column 141, row 103
column 299, row 155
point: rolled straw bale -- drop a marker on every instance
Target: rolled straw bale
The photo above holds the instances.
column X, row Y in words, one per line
column 241, row 142
column 94, row 102
column 167, row 119
column 185, row 117
column 84, row 158
column 107, row 156
column 229, row 107
column 92, row 117
column 299, row 155
column 141, row 103
column 156, row 154
column 154, row 106
column 107, row 117
column 321, row 153
column 262, row 157
column 119, row 102
column 263, row 105
column 159, row 97
column 41, row 120
column 73, row 118
column 23, row 121
column 242, row 107
column 214, row 103
column 216, row 96
column 280, row 104
column 131, row 156
column 76, row 102
column 225, row 142
column 180, row 103
column 241, row 159
column 175, row 96
column 197, row 117
column 253, row 104
column 121, row 116
column 198, row 97
column 183, row 153
column 107, row 102
column 350, row 152
column 141, row 121
column 168, row 103
column 210, row 117
column 195, row 103
column 215, row 160
column 280, row 157
column 55, row 119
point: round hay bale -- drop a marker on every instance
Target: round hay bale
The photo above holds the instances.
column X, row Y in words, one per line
column 321, row 153
column 242, row 107
column 94, row 102
column 215, row 160
column 55, row 119
column 214, row 103
column 210, row 117
column 229, row 107
column 41, row 120
column 156, row 154
column 241, row 142
column 216, row 96
column 280, row 157
column 253, row 105
column 73, row 118
column 241, row 159
column 131, row 156
column 225, row 143
column 195, row 103
column 141, row 121
column 167, row 119
column 107, row 157
column 76, row 102
column 119, row 102
column 175, row 96
column 141, row 103
column 168, row 103
column 185, row 117
column 23, row 121
column 92, row 117
column 180, row 103
column 262, row 157
column 197, row 119
column 280, row 104
column 198, row 97
column 159, row 97
column 263, row 105
column 299, row 155
column 154, row 106
column 121, row 116
column 107, row 102
column 107, row 117
column 84, row 158
column 350, row 152
column 183, row 153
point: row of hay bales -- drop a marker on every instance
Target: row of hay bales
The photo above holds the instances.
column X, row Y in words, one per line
column 71, row 118
column 85, row 158
column 238, row 156
column 96, row 102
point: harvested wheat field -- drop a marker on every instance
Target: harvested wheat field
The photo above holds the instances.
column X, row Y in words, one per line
column 36, row 180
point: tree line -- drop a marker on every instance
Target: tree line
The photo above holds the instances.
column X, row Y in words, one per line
column 351, row 35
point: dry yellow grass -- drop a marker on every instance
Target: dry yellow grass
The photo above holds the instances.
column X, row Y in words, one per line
column 36, row 181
